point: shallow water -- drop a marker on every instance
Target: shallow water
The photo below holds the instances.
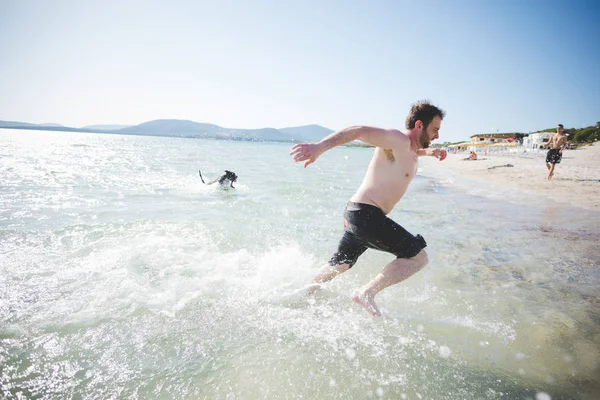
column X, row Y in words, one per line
column 122, row 276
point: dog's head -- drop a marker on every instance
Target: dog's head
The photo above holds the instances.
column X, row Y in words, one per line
column 231, row 176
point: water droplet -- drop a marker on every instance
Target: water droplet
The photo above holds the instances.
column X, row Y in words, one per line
column 542, row 396
column 350, row 353
column 445, row 351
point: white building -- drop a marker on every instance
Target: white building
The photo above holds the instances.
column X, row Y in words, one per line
column 537, row 140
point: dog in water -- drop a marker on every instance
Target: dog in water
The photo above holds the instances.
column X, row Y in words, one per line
column 228, row 177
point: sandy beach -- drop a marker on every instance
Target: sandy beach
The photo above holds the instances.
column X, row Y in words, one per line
column 576, row 179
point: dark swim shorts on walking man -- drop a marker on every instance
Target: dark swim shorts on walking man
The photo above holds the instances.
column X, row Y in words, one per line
column 553, row 156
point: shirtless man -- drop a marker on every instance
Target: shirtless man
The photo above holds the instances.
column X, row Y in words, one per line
column 557, row 143
column 393, row 166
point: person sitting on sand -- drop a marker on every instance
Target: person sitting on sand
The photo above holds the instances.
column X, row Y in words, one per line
column 472, row 156
column 393, row 166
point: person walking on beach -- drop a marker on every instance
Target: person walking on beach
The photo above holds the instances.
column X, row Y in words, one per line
column 393, row 166
column 557, row 143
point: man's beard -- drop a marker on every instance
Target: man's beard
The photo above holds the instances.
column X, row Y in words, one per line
column 424, row 140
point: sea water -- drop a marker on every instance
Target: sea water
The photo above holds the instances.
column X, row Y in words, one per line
column 123, row 276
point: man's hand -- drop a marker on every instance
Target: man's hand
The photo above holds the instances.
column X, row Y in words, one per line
column 307, row 152
column 440, row 154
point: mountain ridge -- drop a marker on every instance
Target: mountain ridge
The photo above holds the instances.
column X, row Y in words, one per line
column 111, row 127
column 189, row 129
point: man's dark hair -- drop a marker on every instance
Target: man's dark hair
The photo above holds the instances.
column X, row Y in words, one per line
column 423, row 111
column 560, row 126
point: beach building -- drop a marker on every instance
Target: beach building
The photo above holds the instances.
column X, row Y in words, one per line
column 492, row 138
column 458, row 147
column 495, row 142
column 537, row 140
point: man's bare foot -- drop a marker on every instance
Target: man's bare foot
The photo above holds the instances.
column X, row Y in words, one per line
column 367, row 302
column 307, row 290
column 550, row 176
column 312, row 288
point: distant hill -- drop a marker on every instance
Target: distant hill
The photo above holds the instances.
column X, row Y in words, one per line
column 185, row 128
column 106, row 127
column 12, row 124
column 44, row 127
column 52, row 125
column 270, row 134
column 190, row 129
column 173, row 127
column 309, row 133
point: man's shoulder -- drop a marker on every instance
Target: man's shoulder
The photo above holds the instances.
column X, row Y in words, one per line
column 402, row 141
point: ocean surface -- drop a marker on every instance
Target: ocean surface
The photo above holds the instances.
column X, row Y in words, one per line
column 122, row 276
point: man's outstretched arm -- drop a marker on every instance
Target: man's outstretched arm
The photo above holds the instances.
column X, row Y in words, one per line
column 440, row 154
column 384, row 138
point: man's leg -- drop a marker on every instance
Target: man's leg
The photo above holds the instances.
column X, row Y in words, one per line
column 328, row 272
column 349, row 249
column 325, row 274
column 548, row 160
column 393, row 273
column 551, row 173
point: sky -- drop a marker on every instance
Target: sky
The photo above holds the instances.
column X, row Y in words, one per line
column 492, row 65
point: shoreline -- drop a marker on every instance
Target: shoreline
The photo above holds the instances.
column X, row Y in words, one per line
column 576, row 180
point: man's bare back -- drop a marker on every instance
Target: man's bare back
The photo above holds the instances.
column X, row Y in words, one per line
column 387, row 177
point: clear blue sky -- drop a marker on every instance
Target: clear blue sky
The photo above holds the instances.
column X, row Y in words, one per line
column 511, row 65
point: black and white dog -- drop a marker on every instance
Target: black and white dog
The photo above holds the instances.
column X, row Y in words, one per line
column 223, row 179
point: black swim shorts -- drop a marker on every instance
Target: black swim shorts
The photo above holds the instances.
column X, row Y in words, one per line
column 553, row 156
column 367, row 227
